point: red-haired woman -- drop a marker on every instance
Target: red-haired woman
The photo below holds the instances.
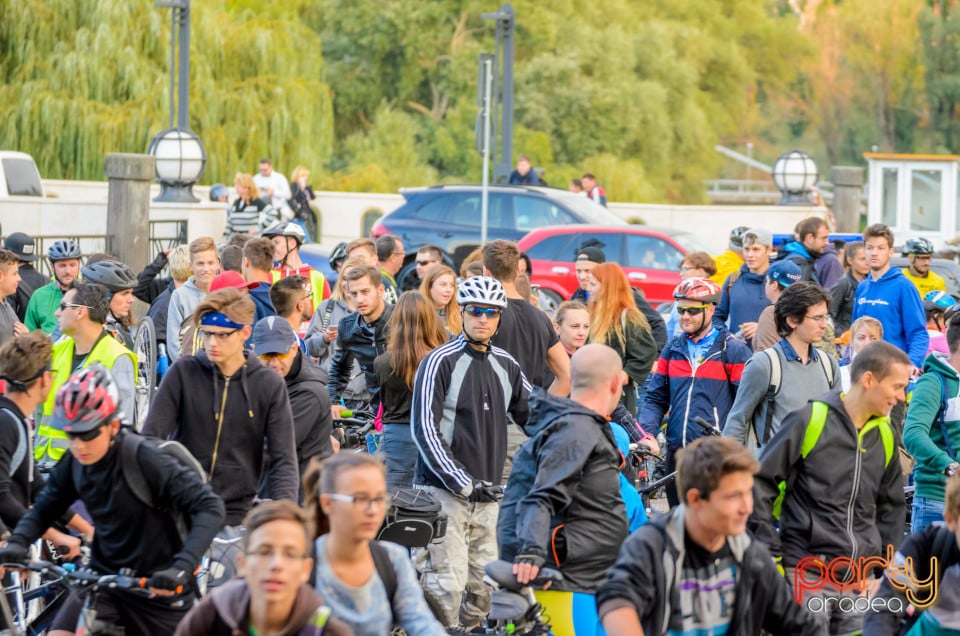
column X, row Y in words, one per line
column 616, row 322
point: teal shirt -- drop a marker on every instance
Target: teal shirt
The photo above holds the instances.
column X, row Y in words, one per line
column 42, row 308
column 923, row 435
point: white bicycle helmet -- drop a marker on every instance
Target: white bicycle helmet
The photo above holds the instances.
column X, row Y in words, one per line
column 481, row 290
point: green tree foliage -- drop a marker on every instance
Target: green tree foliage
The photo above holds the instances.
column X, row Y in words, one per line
column 82, row 78
column 638, row 93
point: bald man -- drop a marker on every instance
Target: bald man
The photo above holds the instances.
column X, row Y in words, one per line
column 567, row 474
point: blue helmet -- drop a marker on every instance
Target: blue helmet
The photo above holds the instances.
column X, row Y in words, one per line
column 938, row 301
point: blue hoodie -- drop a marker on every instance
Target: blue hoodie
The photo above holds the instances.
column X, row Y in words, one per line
column 896, row 303
column 742, row 301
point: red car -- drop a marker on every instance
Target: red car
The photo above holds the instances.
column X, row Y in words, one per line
column 649, row 256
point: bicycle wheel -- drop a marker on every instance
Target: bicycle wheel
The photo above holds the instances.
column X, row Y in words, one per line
column 145, row 348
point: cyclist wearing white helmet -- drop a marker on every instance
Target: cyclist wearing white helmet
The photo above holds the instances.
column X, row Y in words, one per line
column 461, row 397
column 287, row 237
column 64, row 257
column 919, row 251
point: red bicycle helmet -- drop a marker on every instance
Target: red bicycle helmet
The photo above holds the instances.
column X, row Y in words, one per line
column 87, row 401
column 702, row 289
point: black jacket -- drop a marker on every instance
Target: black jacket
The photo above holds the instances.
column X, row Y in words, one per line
column 130, row 534
column 256, row 413
column 646, row 577
column 354, row 341
column 562, row 501
column 158, row 312
column 657, row 326
column 395, row 396
column 149, row 282
column 17, row 490
column 843, row 293
column 843, row 499
column 312, row 426
column 461, row 401
column 30, row 281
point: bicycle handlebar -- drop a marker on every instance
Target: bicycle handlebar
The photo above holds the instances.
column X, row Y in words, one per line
column 707, row 427
column 112, row 581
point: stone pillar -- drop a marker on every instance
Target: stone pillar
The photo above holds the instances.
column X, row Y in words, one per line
column 128, row 207
column 847, row 190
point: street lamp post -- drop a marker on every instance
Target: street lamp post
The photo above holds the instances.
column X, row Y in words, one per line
column 795, row 174
column 180, row 154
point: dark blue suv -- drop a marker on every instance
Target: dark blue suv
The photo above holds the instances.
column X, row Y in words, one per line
column 449, row 217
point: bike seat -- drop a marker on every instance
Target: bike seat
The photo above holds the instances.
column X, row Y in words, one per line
column 502, row 574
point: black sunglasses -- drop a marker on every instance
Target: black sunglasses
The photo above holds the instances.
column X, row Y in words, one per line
column 89, row 436
column 693, row 311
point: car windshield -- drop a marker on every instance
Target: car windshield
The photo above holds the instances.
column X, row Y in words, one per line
column 590, row 212
column 690, row 242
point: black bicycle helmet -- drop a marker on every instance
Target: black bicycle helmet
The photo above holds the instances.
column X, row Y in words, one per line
column 287, row 228
column 338, row 255
column 736, row 235
column 88, row 400
column 113, row 275
column 63, row 250
column 918, row 245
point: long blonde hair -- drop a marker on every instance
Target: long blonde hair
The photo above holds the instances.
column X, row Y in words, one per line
column 613, row 306
column 245, row 180
column 452, row 310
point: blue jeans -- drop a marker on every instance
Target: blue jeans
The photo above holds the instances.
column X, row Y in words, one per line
column 399, row 453
column 925, row 512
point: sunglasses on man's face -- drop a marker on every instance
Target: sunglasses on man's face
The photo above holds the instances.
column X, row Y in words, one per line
column 476, row 312
column 693, row 311
column 88, row 436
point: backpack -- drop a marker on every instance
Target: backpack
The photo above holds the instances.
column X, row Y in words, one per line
column 16, row 460
column 807, row 271
column 773, row 389
column 382, row 564
column 811, row 435
column 137, row 482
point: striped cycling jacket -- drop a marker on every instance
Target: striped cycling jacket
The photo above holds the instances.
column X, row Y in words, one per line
column 462, row 399
column 688, row 390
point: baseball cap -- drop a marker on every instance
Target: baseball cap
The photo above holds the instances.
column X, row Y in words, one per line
column 785, row 273
column 272, row 335
column 759, row 236
column 22, row 245
column 230, row 278
column 592, row 254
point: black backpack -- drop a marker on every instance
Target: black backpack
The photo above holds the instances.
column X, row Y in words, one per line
column 807, row 272
column 137, row 482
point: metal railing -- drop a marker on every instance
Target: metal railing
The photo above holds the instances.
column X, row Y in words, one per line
column 163, row 235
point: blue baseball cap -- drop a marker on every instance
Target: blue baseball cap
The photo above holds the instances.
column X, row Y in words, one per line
column 785, row 273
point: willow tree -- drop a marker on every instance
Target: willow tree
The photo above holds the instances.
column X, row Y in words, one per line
column 81, row 78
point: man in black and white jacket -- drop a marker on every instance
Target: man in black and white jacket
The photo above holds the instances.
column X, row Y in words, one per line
column 463, row 394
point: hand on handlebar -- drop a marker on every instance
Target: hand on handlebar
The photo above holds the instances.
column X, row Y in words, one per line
column 12, row 552
column 169, row 581
column 651, row 443
column 336, row 410
column 526, row 567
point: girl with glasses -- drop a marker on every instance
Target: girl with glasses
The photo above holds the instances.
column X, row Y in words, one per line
column 346, row 500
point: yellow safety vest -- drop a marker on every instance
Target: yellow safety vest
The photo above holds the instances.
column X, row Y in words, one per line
column 51, row 441
column 317, row 281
